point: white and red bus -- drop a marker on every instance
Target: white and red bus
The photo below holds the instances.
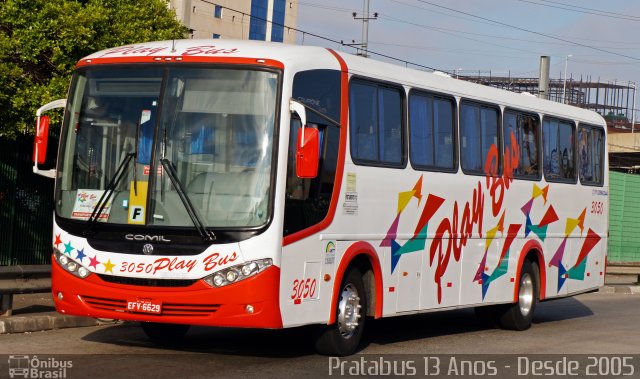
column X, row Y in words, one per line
column 246, row 184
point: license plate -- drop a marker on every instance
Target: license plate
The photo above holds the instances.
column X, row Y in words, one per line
column 144, row 306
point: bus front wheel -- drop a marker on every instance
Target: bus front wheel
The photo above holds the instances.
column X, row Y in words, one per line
column 164, row 332
column 343, row 336
column 518, row 316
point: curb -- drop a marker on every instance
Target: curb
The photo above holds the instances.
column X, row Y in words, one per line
column 24, row 324
column 626, row 289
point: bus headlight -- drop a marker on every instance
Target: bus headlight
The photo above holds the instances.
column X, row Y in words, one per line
column 237, row 273
column 70, row 265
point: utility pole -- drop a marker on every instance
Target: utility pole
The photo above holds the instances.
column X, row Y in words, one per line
column 365, row 27
column 633, row 113
column 543, row 77
column 564, row 90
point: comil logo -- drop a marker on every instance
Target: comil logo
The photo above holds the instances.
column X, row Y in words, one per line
column 146, row 237
column 24, row 366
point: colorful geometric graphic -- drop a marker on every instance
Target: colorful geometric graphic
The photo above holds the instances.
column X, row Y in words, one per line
column 549, row 217
column 503, row 263
column 419, row 239
column 451, row 238
column 577, row 271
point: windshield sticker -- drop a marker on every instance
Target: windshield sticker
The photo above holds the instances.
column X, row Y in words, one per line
column 137, row 202
column 86, row 201
column 147, row 170
column 146, row 116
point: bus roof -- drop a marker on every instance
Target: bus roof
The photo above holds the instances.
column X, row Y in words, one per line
column 311, row 57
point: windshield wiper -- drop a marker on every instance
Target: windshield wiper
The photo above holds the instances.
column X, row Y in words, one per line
column 113, row 183
column 106, row 195
column 206, row 234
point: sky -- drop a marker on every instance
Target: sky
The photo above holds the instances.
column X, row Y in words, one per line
column 506, row 37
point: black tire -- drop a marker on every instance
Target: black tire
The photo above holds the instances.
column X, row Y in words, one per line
column 160, row 332
column 341, row 339
column 518, row 316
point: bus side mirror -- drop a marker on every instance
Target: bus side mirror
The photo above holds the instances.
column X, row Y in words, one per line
column 307, row 145
column 307, row 153
column 41, row 140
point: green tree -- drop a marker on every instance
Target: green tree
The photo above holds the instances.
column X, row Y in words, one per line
column 41, row 41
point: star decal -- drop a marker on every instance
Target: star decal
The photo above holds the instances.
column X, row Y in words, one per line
column 93, row 262
column 108, row 266
column 58, row 240
column 68, row 248
column 81, row 254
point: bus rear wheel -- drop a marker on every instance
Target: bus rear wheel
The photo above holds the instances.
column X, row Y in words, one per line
column 343, row 337
column 161, row 332
column 518, row 316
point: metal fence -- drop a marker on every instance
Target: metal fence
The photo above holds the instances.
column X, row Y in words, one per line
column 26, row 206
column 624, row 239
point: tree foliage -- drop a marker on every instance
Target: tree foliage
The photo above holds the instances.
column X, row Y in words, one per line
column 41, row 41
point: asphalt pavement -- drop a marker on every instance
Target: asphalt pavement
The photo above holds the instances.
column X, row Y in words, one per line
column 36, row 312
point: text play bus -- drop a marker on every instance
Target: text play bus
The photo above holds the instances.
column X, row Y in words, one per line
column 247, row 184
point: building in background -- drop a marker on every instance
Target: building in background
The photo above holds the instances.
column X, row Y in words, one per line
column 262, row 20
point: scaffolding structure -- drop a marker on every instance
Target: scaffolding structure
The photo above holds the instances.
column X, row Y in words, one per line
column 614, row 101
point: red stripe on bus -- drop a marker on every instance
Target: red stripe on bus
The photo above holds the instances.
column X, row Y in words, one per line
column 532, row 245
column 358, row 248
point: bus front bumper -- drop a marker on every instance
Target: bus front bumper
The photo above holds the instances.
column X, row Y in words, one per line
column 250, row 303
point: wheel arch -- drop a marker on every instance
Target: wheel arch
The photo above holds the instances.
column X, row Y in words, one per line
column 362, row 255
column 532, row 251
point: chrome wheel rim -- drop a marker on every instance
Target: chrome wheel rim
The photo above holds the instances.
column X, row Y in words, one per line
column 525, row 296
column 349, row 311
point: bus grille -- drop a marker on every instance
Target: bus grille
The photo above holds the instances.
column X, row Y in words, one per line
column 168, row 309
column 144, row 282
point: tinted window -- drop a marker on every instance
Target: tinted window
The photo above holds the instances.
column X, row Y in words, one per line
column 521, row 144
column 478, row 134
column 559, row 159
column 431, row 125
column 308, row 200
column 320, row 90
column 591, row 154
column 390, row 123
column 375, row 117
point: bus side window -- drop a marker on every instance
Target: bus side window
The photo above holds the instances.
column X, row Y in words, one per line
column 590, row 155
column 364, row 122
column 376, row 124
column 431, row 126
column 478, row 135
column 521, row 139
column 559, row 155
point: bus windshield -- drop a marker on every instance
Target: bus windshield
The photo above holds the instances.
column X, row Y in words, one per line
column 168, row 146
